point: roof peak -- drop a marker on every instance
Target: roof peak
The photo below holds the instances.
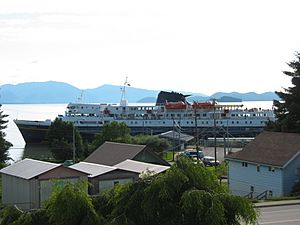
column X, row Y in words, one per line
column 118, row 143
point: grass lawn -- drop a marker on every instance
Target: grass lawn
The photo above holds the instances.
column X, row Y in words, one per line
column 168, row 156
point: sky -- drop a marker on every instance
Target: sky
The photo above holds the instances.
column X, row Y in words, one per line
column 197, row 46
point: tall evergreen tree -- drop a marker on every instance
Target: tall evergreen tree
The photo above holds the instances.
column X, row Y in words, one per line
column 287, row 111
column 4, row 145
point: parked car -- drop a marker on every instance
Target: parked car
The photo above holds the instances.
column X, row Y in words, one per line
column 210, row 161
column 193, row 154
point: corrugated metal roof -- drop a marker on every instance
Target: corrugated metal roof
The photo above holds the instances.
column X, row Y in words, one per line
column 28, row 168
column 93, row 169
column 270, row 148
column 140, row 167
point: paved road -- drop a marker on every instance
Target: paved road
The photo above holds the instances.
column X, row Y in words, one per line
column 280, row 215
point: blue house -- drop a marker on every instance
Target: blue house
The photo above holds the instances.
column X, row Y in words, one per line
column 269, row 164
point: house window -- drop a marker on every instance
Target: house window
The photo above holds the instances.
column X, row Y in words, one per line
column 252, row 188
column 116, row 182
column 258, row 168
column 244, row 164
column 297, row 172
column 271, row 169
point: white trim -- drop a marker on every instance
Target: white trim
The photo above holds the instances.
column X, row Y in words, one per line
column 291, row 159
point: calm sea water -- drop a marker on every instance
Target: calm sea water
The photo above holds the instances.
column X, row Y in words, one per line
column 50, row 111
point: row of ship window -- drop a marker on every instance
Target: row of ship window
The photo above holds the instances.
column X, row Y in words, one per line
column 202, row 122
column 163, row 122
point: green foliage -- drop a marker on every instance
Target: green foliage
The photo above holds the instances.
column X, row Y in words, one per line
column 4, row 145
column 187, row 194
column 287, row 111
column 114, row 131
column 9, row 214
column 60, row 138
column 33, row 218
column 120, row 132
column 221, row 170
column 71, row 204
column 156, row 144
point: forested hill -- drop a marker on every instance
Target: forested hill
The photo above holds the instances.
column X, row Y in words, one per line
column 58, row 92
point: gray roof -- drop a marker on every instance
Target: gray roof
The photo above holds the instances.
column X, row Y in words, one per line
column 111, row 153
column 140, row 167
column 28, row 168
column 175, row 135
column 270, row 148
column 93, row 169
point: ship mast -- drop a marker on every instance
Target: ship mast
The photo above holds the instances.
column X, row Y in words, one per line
column 123, row 101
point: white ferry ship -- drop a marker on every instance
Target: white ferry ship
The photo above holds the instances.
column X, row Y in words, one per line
column 171, row 110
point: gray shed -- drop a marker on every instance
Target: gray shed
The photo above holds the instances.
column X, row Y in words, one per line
column 174, row 137
column 28, row 183
column 103, row 177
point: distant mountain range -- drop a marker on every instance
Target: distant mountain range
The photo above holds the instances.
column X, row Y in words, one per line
column 58, row 92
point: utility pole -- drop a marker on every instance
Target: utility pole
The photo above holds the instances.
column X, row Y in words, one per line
column 173, row 139
column 74, row 150
column 215, row 135
column 197, row 135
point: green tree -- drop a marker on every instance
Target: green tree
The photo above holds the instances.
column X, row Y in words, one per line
column 187, row 194
column 9, row 214
column 287, row 111
column 33, row 218
column 60, row 139
column 156, row 144
column 4, row 145
column 71, row 204
column 113, row 131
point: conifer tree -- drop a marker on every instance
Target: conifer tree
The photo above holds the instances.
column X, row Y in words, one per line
column 287, row 110
column 4, row 145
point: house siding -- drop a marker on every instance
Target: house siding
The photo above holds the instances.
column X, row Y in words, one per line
column 16, row 191
column 241, row 178
column 114, row 175
column 34, row 193
column 291, row 175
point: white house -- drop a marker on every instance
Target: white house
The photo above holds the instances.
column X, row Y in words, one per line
column 269, row 164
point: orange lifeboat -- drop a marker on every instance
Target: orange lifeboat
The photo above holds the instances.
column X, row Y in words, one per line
column 175, row 105
column 202, row 105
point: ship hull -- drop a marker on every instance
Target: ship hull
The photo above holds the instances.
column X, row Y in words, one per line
column 33, row 134
column 37, row 132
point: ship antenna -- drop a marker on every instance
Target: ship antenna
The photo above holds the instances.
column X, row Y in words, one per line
column 80, row 98
column 123, row 101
